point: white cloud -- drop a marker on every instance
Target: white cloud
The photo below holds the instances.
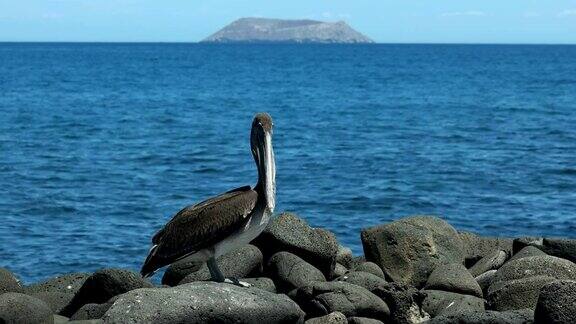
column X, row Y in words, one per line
column 473, row 13
column 566, row 13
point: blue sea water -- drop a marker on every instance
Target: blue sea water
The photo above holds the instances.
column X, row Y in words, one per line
column 100, row 144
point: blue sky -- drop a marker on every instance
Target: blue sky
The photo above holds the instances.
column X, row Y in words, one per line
column 400, row 21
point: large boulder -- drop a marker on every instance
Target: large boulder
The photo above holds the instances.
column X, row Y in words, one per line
column 562, row 248
column 517, row 283
column 289, row 271
column 56, row 300
column 528, row 251
column 261, row 283
column 404, row 303
column 69, row 283
column 203, row 302
column 322, row 298
column 363, row 320
column 439, row 302
column 20, row 308
column 453, row 277
column 370, row 267
column 93, row 311
column 103, row 285
column 409, row 249
column 362, row 279
column 477, row 247
column 242, row 262
column 484, row 280
column 490, row 262
column 289, row 233
column 344, row 256
column 523, row 316
column 556, row 303
column 9, row 282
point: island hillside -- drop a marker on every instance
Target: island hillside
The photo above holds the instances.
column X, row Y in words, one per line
column 263, row 30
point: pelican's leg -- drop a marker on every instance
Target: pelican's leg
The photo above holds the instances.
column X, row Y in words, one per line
column 214, row 271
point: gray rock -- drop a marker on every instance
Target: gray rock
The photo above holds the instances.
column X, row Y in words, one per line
column 332, row 318
column 516, row 294
column 59, row 319
column 68, row 283
column 437, row 302
column 524, row 316
column 537, row 266
column 291, row 234
column 103, row 285
column 522, row 242
column 177, row 271
column 340, row 270
column 557, row 303
column 289, row 271
column 20, row 308
column 93, row 321
column 562, row 248
column 243, row 262
column 404, row 303
column 477, row 247
column 344, row 256
column 93, row 311
column 527, row 251
column 407, row 250
column 55, row 300
column 453, row 277
column 322, row 298
column 261, row 283
column 357, row 260
column 258, row 30
column 370, row 267
column 203, row 302
column 489, row 262
column 363, row 320
column 362, row 279
column 485, row 280
column 9, row 282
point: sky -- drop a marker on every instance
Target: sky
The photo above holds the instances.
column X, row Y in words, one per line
column 399, row 21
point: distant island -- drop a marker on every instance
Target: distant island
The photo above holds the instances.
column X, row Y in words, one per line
column 264, row 30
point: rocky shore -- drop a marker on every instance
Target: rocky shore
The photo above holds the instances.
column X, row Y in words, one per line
column 417, row 269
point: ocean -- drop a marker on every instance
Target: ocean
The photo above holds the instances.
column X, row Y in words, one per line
column 100, row 144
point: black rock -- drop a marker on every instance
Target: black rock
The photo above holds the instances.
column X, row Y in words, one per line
column 363, row 320
column 370, row 267
column 409, row 249
column 243, row 262
column 485, row 280
column 93, row 311
column 362, row 279
column 522, row 242
column 322, row 298
column 438, row 302
column 524, row 316
column 20, row 308
column 478, row 247
column 9, row 282
column 453, row 277
column 537, row 266
column 68, row 283
column 562, row 248
column 55, row 300
column 344, row 256
column 556, row 303
column 203, row 302
column 261, row 283
column 289, row 271
column 332, row 318
column 489, row 262
column 527, row 251
column 177, row 271
column 103, row 285
column 289, row 233
column 404, row 303
column 516, row 294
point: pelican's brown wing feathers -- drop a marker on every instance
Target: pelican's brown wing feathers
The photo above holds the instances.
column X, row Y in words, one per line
column 199, row 226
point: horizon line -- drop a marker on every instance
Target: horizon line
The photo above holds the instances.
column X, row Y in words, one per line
column 280, row 43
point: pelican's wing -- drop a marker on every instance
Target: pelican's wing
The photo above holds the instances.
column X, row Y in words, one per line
column 199, row 226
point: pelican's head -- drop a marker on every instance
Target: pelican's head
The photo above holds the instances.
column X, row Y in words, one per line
column 261, row 143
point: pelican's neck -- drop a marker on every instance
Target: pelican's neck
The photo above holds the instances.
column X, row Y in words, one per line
column 267, row 174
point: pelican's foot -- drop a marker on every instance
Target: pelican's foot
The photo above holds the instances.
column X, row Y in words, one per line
column 237, row 282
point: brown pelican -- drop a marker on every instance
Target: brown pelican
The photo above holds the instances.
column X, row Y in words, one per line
column 209, row 229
